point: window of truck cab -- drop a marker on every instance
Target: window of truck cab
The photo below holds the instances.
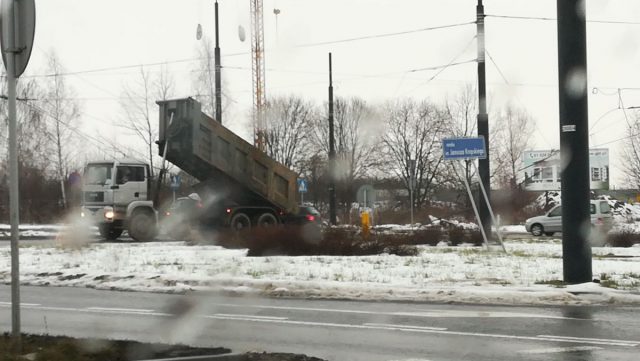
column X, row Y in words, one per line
column 97, row 173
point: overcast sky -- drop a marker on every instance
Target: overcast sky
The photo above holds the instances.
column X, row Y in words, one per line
column 91, row 34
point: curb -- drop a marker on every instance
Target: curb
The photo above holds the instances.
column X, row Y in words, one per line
column 226, row 357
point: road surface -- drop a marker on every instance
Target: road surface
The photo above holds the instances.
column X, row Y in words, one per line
column 334, row 330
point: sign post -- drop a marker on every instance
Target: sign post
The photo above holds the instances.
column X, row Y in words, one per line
column 471, row 148
column 18, row 19
column 175, row 185
column 302, row 188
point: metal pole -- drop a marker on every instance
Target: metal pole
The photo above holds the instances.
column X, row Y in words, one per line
column 332, row 153
column 493, row 217
column 475, row 210
column 483, row 120
column 14, row 200
column 574, row 141
column 218, row 75
column 412, row 177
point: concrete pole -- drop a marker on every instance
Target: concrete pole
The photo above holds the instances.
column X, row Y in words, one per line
column 218, row 79
column 574, row 141
column 483, row 122
column 332, row 153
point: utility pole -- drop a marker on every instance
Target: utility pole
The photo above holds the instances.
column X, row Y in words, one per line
column 483, row 122
column 574, row 141
column 218, row 65
column 332, row 153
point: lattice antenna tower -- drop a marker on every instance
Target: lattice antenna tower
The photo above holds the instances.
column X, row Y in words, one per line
column 258, row 72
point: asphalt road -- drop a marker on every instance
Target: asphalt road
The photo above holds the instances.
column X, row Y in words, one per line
column 335, row 330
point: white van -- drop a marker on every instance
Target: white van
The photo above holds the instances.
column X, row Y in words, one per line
column 550, row 223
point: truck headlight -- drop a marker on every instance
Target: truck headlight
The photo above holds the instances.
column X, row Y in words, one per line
column 108, row 213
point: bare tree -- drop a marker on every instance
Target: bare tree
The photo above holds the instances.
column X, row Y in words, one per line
column 203, row 82
column 514, row 130
column 462, row 118
column 288, row 121
column 139, row 109
column 414, row 131
column 61, row 107
column 631, row 152
column 356, row 140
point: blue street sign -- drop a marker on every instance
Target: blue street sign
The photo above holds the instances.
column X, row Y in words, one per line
column 302, row 186
column 464, row 148
column 175, row 182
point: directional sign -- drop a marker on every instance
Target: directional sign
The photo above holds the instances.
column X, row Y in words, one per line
column 464, row 148
column 302, row 186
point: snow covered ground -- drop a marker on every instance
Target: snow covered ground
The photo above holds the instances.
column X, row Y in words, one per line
column 529, row 274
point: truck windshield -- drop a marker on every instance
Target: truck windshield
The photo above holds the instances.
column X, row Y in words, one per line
column 97, row 173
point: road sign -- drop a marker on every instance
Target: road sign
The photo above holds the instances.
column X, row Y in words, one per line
column 302, row 186
column 366, row 195
column 464, row 148
column 17, row 29
column 175, row 182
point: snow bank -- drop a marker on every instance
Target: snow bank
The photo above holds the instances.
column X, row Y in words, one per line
column 529, row 274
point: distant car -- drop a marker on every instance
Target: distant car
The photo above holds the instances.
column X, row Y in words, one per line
column 550, row 223
column 181, row 215
column 306, row 215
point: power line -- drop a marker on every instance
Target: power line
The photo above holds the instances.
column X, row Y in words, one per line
column 554, row 19
column 535, row 123
column 368, row 37
column 451, row 63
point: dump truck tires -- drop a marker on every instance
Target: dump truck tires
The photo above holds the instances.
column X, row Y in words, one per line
column 142, row 226
column 266, row 220
column 240, row 222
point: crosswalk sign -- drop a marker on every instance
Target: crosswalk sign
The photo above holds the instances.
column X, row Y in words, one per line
column 302, row 186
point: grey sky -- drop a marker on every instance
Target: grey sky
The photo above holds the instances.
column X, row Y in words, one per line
column 91, row 34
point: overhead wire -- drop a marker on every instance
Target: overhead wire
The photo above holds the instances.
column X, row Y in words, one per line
column 619, row 22
column 535, row 124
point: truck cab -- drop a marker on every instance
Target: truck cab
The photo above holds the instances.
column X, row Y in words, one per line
column 116, row 196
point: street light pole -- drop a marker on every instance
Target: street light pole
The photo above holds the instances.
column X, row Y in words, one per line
column 483, row 122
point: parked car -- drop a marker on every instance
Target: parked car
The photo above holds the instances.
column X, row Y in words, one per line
column 550, row 223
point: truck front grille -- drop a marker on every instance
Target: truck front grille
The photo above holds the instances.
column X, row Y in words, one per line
column 90, row 197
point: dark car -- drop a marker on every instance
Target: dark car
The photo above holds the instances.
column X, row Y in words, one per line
column 183, row 213
column 306, row 215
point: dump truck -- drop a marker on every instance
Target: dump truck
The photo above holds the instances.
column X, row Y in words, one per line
column 240, row 185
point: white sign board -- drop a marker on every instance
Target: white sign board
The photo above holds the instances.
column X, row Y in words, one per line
column 540, row 169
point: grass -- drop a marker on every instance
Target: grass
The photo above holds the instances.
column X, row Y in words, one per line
column 554, row 283
column 54, row 348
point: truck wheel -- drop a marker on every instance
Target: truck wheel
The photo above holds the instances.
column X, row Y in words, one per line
column 240, row 222
column 266, row 220
column 108, row 232
column 142, row 226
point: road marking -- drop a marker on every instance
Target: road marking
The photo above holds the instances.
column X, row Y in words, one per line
column 402, row 327
column 631, row 343
column 427, row 313
column 426, row 330
column 21, row 304
column 235, row 316
column 561, row 349
column 119, row 310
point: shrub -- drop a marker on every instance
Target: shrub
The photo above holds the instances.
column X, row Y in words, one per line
column 299, row 241
column 623, row 239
